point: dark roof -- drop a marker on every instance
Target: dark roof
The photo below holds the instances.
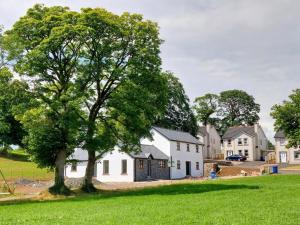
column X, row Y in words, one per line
column 234, row 131
column 202, row 130
column 175, row 135
column 147, row 150
column 279, row 134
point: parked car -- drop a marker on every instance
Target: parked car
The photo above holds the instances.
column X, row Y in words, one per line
column 236, row 158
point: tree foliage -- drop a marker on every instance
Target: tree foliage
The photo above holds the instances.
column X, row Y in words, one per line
column 229, row 108
column 287, row 118
column 178, row 114
column 45, row 46
column 120, row 76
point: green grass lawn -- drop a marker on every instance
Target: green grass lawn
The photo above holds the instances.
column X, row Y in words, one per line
column 261, row 200
column 18, row 169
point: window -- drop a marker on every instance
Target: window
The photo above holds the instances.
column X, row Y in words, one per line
column 297, row 154
column 229, row 142
column 240, row 152
column 197, row 165
column 74, row 167
column 162, row 164
column 246, row 153
column 124, row 166
column 197, row 148
column 245, row 141
column 141, row 164
column 282, row 141
column 178, row 146
column 229, row 153
column 178, row 164
column 187, row 147
column 105, row 167
column 240, row 141
column 261, row 142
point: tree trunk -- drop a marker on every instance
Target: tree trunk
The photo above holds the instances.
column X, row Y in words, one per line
column 88, row 179
column 59, row 180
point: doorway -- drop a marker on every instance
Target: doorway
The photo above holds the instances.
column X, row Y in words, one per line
column 188, row 168
column 283, row 157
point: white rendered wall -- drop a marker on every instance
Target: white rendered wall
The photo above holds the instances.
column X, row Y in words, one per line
column 159, row 141
column 115, row 168
column 78, row 154
column 184, row 156
column 290, row 152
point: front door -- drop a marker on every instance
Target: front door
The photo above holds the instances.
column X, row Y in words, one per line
column 283, row 157
column 188, row 168
column 149, row 168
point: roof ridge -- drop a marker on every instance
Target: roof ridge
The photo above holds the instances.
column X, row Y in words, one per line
column 172, row 130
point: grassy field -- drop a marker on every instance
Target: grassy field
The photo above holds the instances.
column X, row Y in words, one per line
column 260, row 200
column 18, row 169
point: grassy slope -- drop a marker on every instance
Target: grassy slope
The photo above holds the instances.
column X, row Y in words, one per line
column 14, row 169
column 261, row 200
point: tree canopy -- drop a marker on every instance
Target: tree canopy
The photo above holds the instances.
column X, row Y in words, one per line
column 96, row 79
column 287, row 118
column 178, row 114
column 229, row 108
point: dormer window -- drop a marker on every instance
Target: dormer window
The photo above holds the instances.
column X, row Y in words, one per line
column 240, row 141
column 178, row 146
column 229, row 142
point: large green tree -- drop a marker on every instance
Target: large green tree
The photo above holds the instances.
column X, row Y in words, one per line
column 121, row 78
column 205, row 107
column 237, row 107
column 229, row 108
column 287, row 118
column 45, row 46
column 178, row 114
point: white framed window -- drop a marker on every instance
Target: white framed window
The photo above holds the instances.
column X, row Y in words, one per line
column 229, row 152
column 297, row 155
column 74, row 167
column 141, row 164
column 282, row 141
column 178, row 164
column 246, row 152
column 197, row 148
column 229, row 142
column 240, row 152
column 240, row 141
column 178, row 146
column 245, row 141
column 106, row 167
column 187, row 147
column 124, row 166
column 197, row 166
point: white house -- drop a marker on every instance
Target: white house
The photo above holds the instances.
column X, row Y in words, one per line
column 284, row 154
column 169, row 154
column 211, row 139
column 249, row 141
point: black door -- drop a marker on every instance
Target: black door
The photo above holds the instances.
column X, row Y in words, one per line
column 188, row 168
column 149, row 168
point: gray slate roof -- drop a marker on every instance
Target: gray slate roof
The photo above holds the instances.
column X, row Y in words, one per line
column 279, row 134
column 146, row 150
column 234, row 131
column 202, row 130
column 175, row 135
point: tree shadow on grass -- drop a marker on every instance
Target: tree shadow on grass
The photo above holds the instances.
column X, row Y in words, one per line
column 174, row 189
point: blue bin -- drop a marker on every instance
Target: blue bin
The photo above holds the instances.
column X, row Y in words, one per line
column 213, row 175
column 275, row 169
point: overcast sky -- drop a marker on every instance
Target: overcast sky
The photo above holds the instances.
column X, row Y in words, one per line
column 214, row 45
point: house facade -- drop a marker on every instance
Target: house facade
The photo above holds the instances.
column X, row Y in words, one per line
column 169, row 154
column 249, row 141
column 211, row 139
column 283, row 153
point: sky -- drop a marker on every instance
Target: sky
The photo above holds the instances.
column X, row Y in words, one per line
column 214, row 45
